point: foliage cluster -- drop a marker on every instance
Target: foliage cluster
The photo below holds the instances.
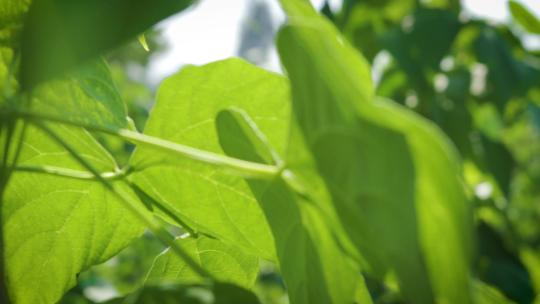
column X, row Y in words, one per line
column 420, row 186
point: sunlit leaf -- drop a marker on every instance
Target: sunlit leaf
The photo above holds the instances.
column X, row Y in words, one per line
column 206, row 198
column 393, row 176
column 226, row 263
column 314, row 266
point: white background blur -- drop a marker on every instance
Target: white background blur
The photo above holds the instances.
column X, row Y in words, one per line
column 210, row 31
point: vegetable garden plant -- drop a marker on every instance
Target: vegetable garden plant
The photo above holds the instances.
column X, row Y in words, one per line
column 318, row 171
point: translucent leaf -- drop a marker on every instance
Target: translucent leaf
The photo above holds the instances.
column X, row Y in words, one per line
column 313, row 264
column 393, row 177
column 56, row 227
column 226, row 263
column 206, row 198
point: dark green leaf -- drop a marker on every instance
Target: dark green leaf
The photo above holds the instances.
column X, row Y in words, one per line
column 61, row 34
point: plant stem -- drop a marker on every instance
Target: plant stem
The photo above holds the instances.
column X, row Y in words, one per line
column 70, row 173
column 159, row 231
column 239, row 166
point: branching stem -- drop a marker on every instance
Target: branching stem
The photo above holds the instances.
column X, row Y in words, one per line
column 159, row 231
column 238, row 166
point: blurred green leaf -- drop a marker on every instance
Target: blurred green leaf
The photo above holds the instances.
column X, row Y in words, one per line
column 485, row 294
column 314, row 267
column 61, row 34
column 225, row 262
column 394, row 177
column 523, row 17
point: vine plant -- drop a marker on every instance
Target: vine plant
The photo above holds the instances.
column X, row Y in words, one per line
column 310, row 170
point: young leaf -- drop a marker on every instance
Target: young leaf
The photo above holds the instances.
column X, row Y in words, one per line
column 226, row 262
column 206, row 198
column 56, row 227
column 61, row 34
column 313, row 264
column 393, row 177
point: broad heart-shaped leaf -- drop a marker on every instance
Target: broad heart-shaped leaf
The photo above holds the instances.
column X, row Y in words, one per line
column 394, row 178
column 225, row 262
column 56, row 227
column 313, row 264
column 61, row 34
column 524, row 17
column 203, row 196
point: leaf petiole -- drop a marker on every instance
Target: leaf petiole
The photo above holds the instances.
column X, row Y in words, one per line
column 70, row 173
column 238, row 166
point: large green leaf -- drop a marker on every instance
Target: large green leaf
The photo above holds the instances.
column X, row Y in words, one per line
column 204, row 197
column 56, row 227
column 313, row 264
column 226, row 263
column 394, row 178
column 60, row 34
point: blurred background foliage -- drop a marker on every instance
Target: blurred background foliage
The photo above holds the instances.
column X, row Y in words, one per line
column 476, row 80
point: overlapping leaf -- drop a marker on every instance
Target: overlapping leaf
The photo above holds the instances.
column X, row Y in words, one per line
column 55, row 227
column 226, row 263
column 61, row 34
column 312, row 261
column 207, row 198
column 393, row 177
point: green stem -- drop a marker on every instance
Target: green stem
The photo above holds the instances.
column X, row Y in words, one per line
column 70, row 173
column 242, row 167
column 159, row 231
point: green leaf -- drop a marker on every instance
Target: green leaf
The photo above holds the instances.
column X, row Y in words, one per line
column 393, row 177
column 12, row 14
column 523, row 17
column 485, row 294
column 225, row 262
column 314, row 267
column 61, row 34
column 86, row 95
column 56, row 227
column 206, row 198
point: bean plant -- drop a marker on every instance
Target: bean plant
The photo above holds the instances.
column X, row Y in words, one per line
column 358, row 190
